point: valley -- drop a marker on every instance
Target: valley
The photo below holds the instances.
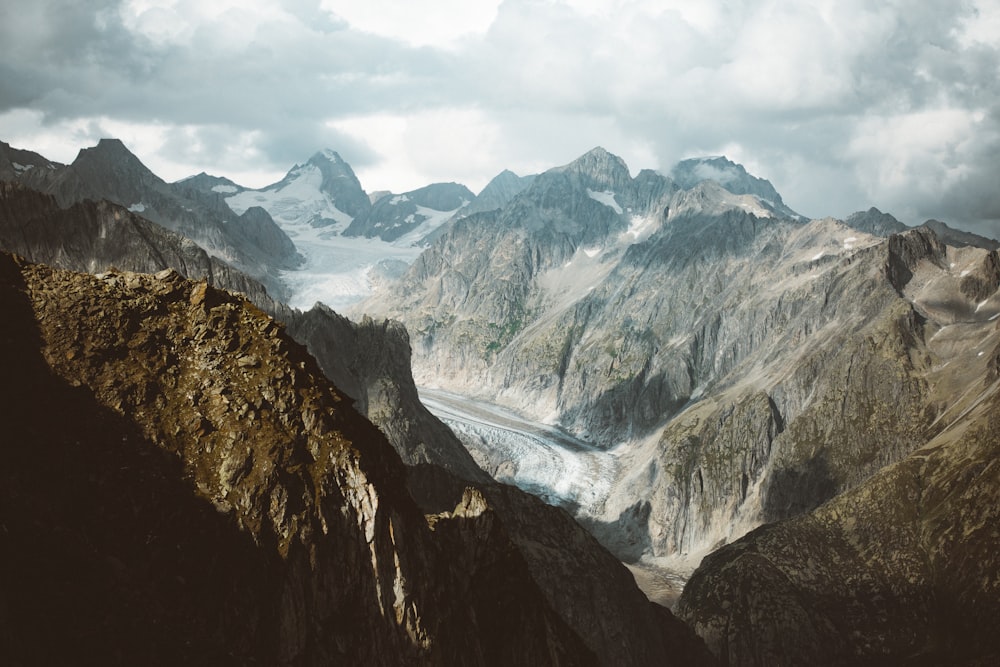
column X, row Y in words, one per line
column 541, row 459
column 784, row 427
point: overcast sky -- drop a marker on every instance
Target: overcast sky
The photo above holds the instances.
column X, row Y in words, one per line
column 842, row 104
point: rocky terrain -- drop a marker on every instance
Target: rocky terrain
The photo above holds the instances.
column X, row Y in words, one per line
column 251, row 242
column 740, row 365
column 679, row 360
column 901, row 570
column 498, row 192
column 370, row 362
column 206, row 495
column 393, row 216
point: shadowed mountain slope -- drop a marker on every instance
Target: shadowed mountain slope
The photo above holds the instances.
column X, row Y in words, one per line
column 207, row 496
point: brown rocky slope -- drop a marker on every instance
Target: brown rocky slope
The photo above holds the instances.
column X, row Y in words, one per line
column 183, row 486
column 903, row 569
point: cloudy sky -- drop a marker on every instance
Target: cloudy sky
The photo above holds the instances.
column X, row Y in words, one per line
column 842, row 104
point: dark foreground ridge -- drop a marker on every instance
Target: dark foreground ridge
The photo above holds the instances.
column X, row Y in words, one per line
column 182, row 485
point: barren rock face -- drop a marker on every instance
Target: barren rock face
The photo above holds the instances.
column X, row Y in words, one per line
column 902, row 568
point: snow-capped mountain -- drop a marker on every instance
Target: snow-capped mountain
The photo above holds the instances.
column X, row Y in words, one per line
column 251, row 240
column 323, row 192
column 697, row 334
column 416, row 213
column 349, row 243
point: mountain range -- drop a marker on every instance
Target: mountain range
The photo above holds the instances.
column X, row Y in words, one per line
column 798, row 415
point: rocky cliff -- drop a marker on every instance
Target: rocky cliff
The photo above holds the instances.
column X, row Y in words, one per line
column 901, row 570
column 206, row 496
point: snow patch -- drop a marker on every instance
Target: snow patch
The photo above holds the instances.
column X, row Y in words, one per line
column 640, row 228
column 339, row 270
column 963, row 273
column 849, row 242
column 751, row 204
column 980, row 305
column 980, row 354
column 592, row 251
column 607, row 198
column 225, row 189
column 137, row 208
column 399, row 199
column 21, row 167
column 994, row 317
column 817, row 256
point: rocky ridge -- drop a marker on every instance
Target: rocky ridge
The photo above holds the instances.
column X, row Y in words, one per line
column 251, row 241
column 369, row 362
column 393, row 216
column 197, row 432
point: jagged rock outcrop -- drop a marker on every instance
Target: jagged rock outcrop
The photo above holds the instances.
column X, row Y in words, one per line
column 368, row 361
column 206, row 495
column 253, row 243
column 92, row 236
column 563, row 559
column 984, row 280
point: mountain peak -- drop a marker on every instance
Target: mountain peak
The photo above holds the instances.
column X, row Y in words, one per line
column 730, row 175
column 875, row 222
column 327, row 155
column 110, row 151
column 605, row 169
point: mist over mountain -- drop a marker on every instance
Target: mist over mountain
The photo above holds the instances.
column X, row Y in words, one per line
column 696, row 380
column 733, row 177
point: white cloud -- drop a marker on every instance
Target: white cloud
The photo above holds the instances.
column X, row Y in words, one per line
column 912, row 160
column 439, row 23
column 808, row 94
column 417, row 148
